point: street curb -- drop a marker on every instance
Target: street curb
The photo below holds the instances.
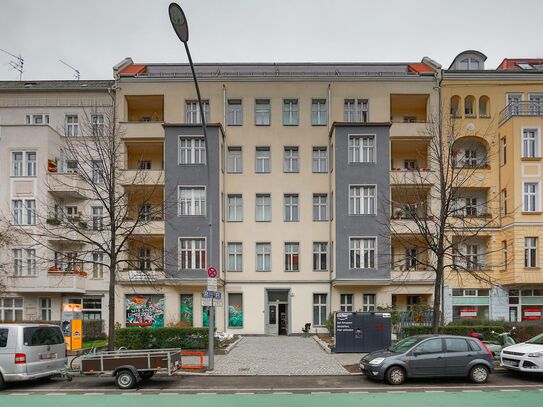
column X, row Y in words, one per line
column 229, row 348
column 322, row 344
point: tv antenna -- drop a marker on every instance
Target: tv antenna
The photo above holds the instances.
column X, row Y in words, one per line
column 76, row 71
column 18, row 64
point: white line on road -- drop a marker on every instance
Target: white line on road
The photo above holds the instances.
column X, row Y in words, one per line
column 509, row 390
column 55, row 394
column 93, row 394
column 131, row 394
column 320, row 392
column 204, row 393
column 243, row 393
column 358, row 392
column 396, row 391
column 19, row 394
column 282, row 392
column 471, row 391
column 435, row 391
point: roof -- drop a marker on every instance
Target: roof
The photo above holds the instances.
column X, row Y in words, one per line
column 479, row 54
column 59, row 86
column 274, row 70
column 522, row 64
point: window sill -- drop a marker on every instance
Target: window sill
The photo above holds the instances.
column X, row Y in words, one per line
column 263, row 271
column 363, row 269
column 531, row 213
column 530, row 158
column 321, row 271
column 262, row 125
column 291, row 221
column 362, row 162
column 532, row 268
column 291, row 271
column 263, row 221
column 319, row 124
column 235, row 327
column 320, row 220
column 369, row 214
column 319, row 172
column 234, row 172
column 234, row 221
column 291, row 172
column 234, row 271
column 262, row 172
column 291, row 125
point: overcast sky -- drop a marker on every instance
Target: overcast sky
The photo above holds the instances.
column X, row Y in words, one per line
column 94, row 35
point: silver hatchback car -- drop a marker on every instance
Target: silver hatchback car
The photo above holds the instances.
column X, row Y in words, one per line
column 430, row 356
column 30, row 351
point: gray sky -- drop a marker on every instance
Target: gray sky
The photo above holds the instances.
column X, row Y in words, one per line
column 93, row 35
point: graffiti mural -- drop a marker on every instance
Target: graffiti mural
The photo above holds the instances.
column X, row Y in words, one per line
column 235, row 310
column 187, row 308
column 145, row 310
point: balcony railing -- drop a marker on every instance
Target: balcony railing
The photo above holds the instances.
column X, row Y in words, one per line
column 522, row 108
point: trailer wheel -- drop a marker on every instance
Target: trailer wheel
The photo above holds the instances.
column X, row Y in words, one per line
column 125, row 379
column 146, row 374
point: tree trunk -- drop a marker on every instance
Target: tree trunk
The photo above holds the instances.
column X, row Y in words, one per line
column 111, row 303
column 436, row 315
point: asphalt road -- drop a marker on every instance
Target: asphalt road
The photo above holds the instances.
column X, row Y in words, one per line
column 192, row 384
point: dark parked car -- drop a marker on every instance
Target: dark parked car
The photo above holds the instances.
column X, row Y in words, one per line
column 429, row 356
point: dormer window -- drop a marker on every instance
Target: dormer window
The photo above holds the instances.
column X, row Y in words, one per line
column 469, row 64
column 469, row 61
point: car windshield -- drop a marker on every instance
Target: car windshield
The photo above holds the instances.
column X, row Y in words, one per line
column 538, row 340
column 405, row 344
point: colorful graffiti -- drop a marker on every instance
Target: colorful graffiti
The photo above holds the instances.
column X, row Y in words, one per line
column 205, row 316
column 187, row 308
column 235, row 316
column 145, row 311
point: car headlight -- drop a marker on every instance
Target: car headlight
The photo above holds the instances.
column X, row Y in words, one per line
column 376, row 361
column 535, row 355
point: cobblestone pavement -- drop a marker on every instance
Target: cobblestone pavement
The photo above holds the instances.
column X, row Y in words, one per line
column 277, row 355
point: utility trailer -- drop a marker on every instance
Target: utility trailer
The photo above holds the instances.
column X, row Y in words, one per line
column 129, row 367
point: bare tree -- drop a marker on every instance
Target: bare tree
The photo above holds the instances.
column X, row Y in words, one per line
column 8, row 236
column 119, row 206
column 434, row 207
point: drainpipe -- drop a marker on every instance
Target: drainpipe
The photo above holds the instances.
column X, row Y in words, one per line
column 221, row 217
column 331, row 245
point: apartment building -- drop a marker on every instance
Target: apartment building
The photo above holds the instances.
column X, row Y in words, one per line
column 500, row 114
column 291, row 200
column 37, row 186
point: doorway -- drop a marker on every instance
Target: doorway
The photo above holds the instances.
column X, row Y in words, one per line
column 277, row 309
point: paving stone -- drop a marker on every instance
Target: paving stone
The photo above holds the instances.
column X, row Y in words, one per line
column 277, row 355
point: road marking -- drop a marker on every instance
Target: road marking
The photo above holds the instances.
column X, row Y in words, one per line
column 512, row 390
column 358, row 392
column 396, row 391
column 320, row 392
column 93, row 394
column 130, row 394
column 170, row 393
column 471, row 391
column 19, row 394
column 55, row 394
column 282, row 392
column 434, row 391
column 244, row 393
column 203, row 394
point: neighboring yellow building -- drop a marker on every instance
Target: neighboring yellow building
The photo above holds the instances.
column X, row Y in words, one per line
column 500, row 115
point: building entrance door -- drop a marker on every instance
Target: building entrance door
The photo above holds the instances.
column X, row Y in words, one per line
column 278, row 309
column 283, row 319
column 273, row 325
column 513, row 314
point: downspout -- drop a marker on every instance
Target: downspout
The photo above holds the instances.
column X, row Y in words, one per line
column 440, row 112
column 223, row 195
column 331, row 205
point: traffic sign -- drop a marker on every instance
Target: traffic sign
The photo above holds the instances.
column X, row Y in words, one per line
column 212, row 272
column 217, row 295
column 207, row 302
column 207, row 294
column 211, row 284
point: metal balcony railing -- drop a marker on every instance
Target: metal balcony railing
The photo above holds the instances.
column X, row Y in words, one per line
column 523, row 108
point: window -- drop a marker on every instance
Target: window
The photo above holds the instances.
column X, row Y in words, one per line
column 346, row 302
column 470, row 158
column 187, row 308
column 192, row 201
column 23, row 211
column 235, row 257
column 292, row 256
column 192, row 254
column 469, row 64
column 361, row 200
column 144, row 164
column 484, row 103
column 291, row 160
column 97, row 173
column 23, row 163
column 536, row 104
column 362, row 253
column 37, row 119
column 144, row 258
column 192, row 150
column 234, row 162
column 3, row 337
column 72, row 167
column 92, row 308
column 320, row 159
column 97, row 218
column 368, row 302
column 320, row 254
column 97, row 121
column 411, row 258
column 71, row 126
column 355, row 110
column 320, row 207
column 291, row 213
column 530, row 143
column 430, row 346
column 455, row 106
column 263, row 160
column 318, row 112
column 263, row 257
column 45, row 309
column 410, row 165
column 504, row 202
column 24, row 262
column 11, row 309
column 97, row 265
column 531, row 197
column 530, row 252
column 144, row 212
column 471, row 206
column 234, row 204
column 503, row 148
column 192, row 111
column 234, row 112
column 235, row 310
column 505, row 254
column 361, row 149
column 320, row 309
column 456, row 345
column 262, row 112
column 263, row 207
column 473, row 261
column 290, row 112
column 469, row 106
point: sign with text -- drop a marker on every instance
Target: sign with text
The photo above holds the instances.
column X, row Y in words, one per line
column 212, row 284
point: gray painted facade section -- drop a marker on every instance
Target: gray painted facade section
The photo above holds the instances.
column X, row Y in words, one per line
column 378, row 225
column 499, row 304
column 196, row 175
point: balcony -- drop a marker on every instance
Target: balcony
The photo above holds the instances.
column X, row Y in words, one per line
column 142, row 177
column 67, row 185
column 409, row 130
column 521, row 108
column 141, row 276
column 408, row 114
column 421, row 176
column 142, row 130
column 412, row 276
column 52, row 282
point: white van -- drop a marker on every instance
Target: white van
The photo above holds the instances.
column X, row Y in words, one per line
column 30, row 351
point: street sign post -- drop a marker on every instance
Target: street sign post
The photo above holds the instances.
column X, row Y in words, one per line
column 212, row 272
column 212, row 284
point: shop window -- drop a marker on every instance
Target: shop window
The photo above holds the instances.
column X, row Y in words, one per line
column 235, row 310
column 187, row 309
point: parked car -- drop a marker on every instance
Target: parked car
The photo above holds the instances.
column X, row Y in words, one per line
column 30, row 351
column 429, row 356
column 525, row 356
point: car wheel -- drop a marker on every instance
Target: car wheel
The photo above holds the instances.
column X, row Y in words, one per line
column 125, row 379
column 479, row 374
column 147, row 374
column 395, row 375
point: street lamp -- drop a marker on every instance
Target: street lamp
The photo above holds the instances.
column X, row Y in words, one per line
column 181, row 28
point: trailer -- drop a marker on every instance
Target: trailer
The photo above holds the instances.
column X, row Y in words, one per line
column 130, row 367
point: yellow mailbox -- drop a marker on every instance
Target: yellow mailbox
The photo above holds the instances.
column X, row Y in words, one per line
column 72, row 326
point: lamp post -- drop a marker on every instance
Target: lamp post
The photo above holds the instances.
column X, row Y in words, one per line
column 181, row 28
